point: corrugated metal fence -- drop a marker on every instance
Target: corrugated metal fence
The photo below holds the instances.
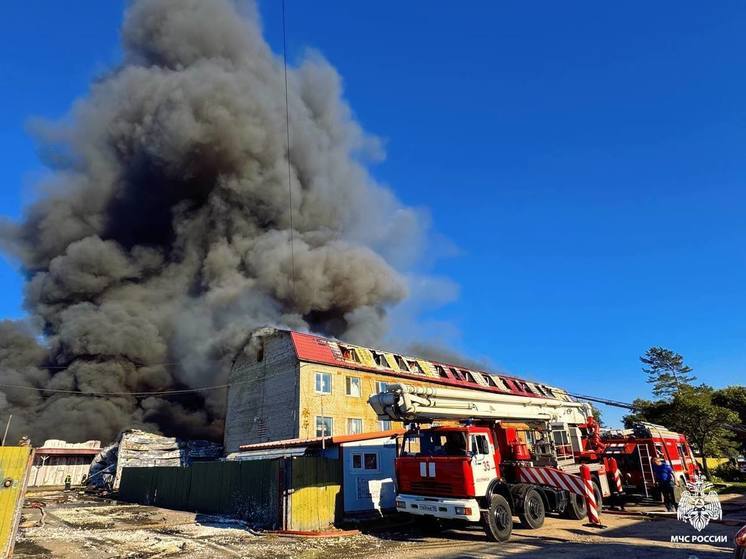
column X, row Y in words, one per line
column 248, row 490
column 289, row 493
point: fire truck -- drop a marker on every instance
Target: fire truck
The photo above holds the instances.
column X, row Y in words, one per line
column 478, row 456
column 635, row 449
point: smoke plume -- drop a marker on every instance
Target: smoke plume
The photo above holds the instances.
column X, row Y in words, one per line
column 163, row 234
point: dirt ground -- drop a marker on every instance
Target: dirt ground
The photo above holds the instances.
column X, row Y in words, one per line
column 82, row 527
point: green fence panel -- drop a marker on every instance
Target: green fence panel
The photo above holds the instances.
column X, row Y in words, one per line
column 136, row 485
column 256, row 498
column 247, row 489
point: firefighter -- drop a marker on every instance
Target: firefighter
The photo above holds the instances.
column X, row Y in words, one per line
column 68, row 482
column 665, row 481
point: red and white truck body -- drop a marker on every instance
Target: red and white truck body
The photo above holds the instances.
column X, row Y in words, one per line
column 486, row 457
column 635, row 449
column 528, row 451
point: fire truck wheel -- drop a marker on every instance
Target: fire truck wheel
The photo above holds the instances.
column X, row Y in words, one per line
column 576, row 508
column 498, row 520
column 532, row 515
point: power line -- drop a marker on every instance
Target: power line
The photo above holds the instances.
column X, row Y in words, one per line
column 605, row 401
column 287, row 138
column 63, row 367
column 123, row 393
column 84, row 393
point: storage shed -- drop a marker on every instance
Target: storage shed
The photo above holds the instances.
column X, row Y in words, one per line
column 56, row 460
column 365, row 462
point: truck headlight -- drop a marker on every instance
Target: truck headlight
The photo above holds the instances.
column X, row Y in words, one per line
column 401, row 505
column 463, row 511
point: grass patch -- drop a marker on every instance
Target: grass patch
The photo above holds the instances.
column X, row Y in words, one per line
column 732, row 487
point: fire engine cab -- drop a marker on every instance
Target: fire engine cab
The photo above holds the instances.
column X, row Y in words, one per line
column 484, row 457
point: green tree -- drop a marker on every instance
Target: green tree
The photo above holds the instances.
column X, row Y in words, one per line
column 666, row 371
column 734, row 398
column 659, row 412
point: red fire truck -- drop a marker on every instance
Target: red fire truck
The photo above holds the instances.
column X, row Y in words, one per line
column 486, row 457
column 635, row 449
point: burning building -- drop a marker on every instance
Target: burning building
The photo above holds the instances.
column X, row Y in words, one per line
column 286, row 385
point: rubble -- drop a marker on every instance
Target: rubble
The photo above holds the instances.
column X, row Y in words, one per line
column 137, row 449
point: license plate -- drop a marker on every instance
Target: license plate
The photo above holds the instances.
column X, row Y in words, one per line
column 428, row 508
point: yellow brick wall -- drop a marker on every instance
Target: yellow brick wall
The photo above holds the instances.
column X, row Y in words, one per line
column 338, row 405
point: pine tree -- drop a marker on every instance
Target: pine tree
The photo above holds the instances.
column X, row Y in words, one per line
column 666, row 371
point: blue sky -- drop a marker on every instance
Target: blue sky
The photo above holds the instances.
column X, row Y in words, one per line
column 586, row 159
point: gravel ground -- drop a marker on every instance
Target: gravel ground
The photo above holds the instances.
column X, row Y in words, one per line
column 81, row 527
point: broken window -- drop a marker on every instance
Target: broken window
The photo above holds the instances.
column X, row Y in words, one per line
column 441, row 371
column 380, row 359
column 415, row 367
column 489, row 380
column 349, row 354
column 401, row 363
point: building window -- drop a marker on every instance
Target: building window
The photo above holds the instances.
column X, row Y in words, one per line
column 354, row 426
column 415, row 367
column 384, row 424
column 349, row 354
column 324, row 383
column 382, row 386
column 370, row 461
column 401, row 363
column 352, row 386
column 489, row 380
column 324, row 426
column 367, row 461
column 380, row 359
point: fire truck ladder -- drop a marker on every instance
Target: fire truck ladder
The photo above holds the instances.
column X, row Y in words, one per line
column 646, row 467
column 403, row 402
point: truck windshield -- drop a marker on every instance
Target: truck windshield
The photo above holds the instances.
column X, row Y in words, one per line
column 434, row 443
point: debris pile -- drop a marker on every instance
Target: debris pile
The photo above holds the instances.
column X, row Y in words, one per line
column 138, row 449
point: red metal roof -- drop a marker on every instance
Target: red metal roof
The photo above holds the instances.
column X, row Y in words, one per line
column 316, row 349
column 334, row 440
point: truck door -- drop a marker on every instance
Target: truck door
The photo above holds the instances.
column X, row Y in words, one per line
column 483, row 468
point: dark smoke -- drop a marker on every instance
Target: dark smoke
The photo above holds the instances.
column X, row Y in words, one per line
column 162, row 237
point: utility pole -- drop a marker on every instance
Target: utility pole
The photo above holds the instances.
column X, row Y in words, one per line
column 7, row 426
